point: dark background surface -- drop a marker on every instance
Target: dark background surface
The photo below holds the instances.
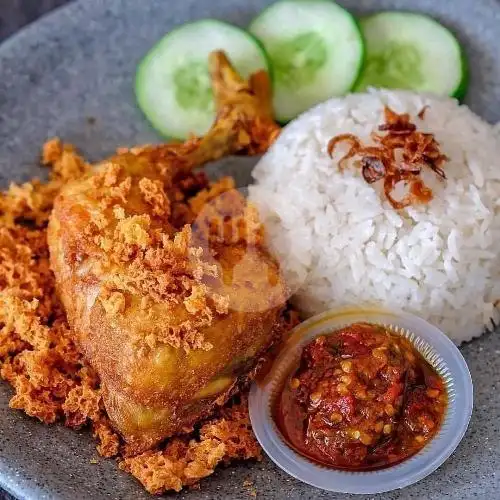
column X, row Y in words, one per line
column 14, row 14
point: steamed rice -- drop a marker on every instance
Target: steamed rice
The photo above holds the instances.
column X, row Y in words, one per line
column 341, row 244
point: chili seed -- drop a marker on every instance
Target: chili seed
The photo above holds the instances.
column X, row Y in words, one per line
column 356, row 434
column 379, row 353
column 389, row 409
column 432, row 393
column 429, row 424
column 336, row 417
column 419, row 439
column 315, row 397
column 409, row 356
column 379, row 426
column 365, row 439
column 387, row 428
column 361, row 394
column 346, row 366
column 346, row 379
column 294, row 383
column 342, row 389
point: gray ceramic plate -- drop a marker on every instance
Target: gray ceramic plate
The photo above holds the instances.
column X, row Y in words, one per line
column 79, row 63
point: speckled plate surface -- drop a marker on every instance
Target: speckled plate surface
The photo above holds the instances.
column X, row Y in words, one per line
column 79, row 62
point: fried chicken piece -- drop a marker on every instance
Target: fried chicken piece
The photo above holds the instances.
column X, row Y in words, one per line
column 173, row 298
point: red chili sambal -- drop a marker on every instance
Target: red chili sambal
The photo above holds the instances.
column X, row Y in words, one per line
column 362, row 398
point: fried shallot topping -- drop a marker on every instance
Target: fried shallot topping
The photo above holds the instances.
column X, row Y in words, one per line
column 399, row 155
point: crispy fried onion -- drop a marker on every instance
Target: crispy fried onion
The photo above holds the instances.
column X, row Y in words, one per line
column 417, row 150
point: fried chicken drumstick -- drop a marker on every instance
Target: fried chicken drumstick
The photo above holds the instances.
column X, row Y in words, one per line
column 169, row 290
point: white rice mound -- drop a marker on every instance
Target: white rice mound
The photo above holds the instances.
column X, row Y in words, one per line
column 342, row 244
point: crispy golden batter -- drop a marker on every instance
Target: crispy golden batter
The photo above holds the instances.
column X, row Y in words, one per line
column 133, row 228
column 172, row 316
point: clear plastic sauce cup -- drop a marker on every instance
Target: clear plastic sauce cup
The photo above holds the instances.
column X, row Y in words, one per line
column 435, row 347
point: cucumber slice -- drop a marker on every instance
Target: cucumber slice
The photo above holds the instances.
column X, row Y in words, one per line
column 173, row 86
column 316, row 51
column 412, row 51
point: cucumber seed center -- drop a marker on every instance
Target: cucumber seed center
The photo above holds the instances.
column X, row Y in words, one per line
column 192, row 86
column 398, row 66
column 298, row 59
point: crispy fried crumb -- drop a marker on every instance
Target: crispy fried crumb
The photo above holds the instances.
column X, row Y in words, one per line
column 32, row 201
column 154, row 194
column 248, row 484
column 109, row 440
column 134, row 230
column 37, row 354
column 111, row 174
column 52, row 151
column 233, row 428
column 113, row 303
column 66, row 163
column 183, row 463
column 119, row 212
column 81, row 403
column 197, row 300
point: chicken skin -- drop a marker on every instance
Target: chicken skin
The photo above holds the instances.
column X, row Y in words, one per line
column 165, row 278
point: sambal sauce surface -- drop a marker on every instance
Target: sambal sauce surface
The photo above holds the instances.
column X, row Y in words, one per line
column 362, row 398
